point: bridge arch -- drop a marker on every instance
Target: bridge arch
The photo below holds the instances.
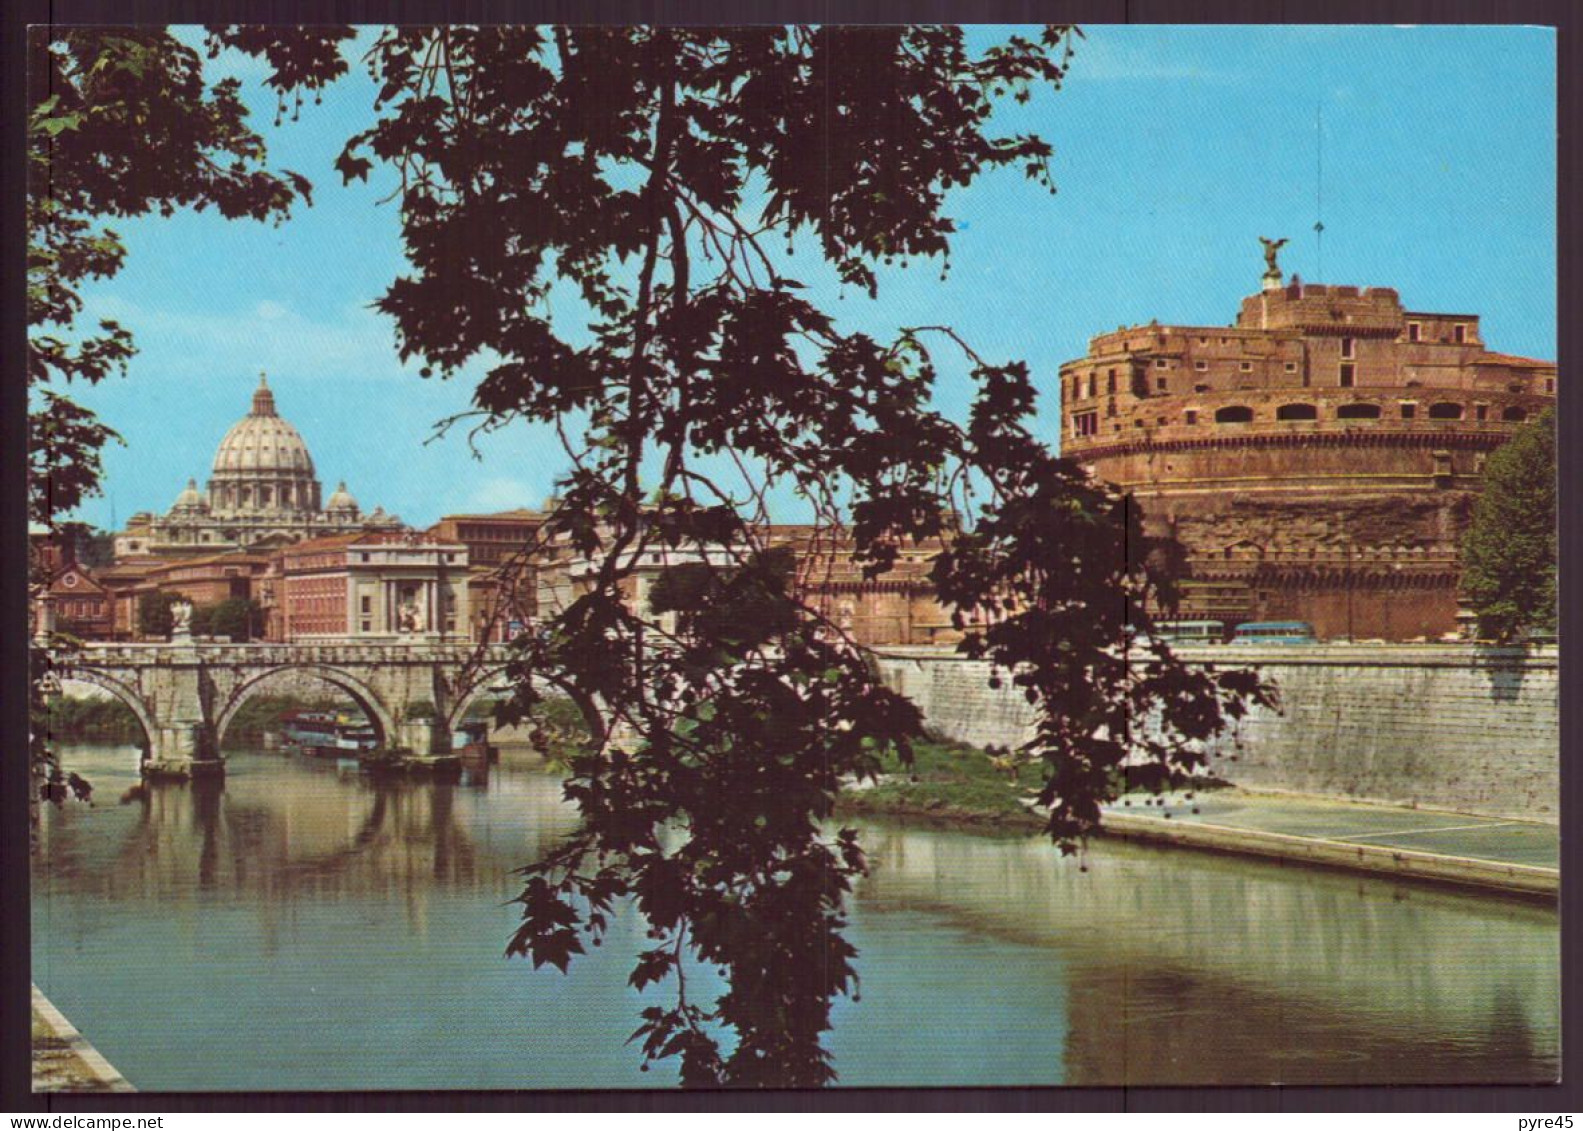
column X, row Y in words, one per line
column 487, row 679
column 365, row 697
column 126, row 694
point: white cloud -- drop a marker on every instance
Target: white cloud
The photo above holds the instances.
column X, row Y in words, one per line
column 1106, row 60
column 355, row 343
column 503, row 494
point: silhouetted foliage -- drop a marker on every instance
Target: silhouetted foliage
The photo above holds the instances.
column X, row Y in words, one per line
column 85, row 544
column 651, row 178
column 1509, row 553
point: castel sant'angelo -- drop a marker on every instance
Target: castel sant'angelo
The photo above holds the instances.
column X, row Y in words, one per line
column 1318, row 459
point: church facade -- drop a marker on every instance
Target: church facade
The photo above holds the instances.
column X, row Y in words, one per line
column 263, row 490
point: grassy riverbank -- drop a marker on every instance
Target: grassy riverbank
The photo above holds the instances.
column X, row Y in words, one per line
column 954, row 783
column 950, row 782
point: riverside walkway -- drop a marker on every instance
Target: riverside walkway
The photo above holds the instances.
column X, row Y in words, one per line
column 63, row 1060
column 1521, row 857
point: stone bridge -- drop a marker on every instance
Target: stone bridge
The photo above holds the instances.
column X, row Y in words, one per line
column 186, row 694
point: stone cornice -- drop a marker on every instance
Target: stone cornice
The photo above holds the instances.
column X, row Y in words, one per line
column 1372, row 438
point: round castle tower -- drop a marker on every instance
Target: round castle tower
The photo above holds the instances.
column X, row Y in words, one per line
column 1318, row 459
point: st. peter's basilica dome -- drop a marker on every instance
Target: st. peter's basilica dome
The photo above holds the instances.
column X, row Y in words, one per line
column 263, row 463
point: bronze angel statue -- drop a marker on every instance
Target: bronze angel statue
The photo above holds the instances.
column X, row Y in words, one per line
column 1270, row 248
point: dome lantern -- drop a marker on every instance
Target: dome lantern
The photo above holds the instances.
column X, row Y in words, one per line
column 263, row 398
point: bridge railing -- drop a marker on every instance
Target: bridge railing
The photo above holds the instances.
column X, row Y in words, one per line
column 158, row 653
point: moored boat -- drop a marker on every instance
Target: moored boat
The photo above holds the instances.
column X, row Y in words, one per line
column 327, row 734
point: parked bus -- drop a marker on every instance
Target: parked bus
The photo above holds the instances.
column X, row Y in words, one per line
column 1191, row 631
column 1274, row 632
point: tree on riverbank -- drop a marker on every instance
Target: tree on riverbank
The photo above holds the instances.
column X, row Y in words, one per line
column 1509, row 553
column 651, row 181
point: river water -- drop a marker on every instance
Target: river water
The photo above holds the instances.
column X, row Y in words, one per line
column 302, row 929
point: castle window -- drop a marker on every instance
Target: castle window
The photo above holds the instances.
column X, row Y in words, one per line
column 1090, row 384
column 1409, row 410
column 1160, row 363
column 1247, row 367
column 1201, row 366
column 1160, row 421
column 1159, row 384
column 1445, row 410
column 1085, row 423
column 1233, row 414
column 1515, row 414
column 1481, row 411
column 1459, row 333
column 1349, row 373
column 1415, row 331
column 1349, row 347
column 1291, row 367
column 1358, row 412
column 1192, row 416
column 1550, row 384
column 1297, row 412
column 1110, row 382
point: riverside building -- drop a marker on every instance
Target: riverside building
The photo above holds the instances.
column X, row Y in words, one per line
column 1318, row 459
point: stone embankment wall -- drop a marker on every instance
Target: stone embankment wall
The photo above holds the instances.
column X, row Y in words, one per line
column 1448, row 727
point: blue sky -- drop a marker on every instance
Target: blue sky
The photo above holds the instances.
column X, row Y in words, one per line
column 1176, row 148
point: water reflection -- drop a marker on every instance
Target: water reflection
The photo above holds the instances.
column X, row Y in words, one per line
column 346, row 918
column 1186, row 967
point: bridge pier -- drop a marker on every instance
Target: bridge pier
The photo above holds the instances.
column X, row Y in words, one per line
column 425, row 737
column 184, row 750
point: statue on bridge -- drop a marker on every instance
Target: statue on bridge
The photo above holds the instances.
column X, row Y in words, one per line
column 181, row 620
column 407, row 617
